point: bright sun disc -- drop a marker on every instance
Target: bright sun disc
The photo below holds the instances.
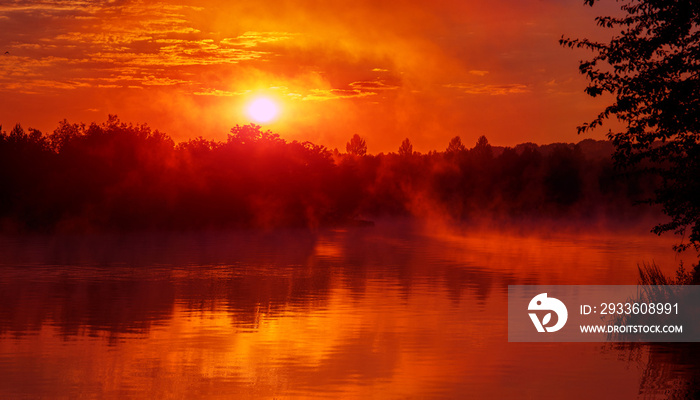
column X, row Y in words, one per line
column 263, row 110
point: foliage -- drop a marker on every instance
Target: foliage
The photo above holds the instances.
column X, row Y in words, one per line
column 406, row 148
column 455, row 145
column 119, row 176
column 482, row 149
column 652, row 69
column 250, row 134
column 356, row 146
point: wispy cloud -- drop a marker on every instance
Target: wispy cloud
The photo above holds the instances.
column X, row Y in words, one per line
column 372, row 86
column 253, row 39
column 221, row 93
column 490, row 89
column 356, row 89
column 334, row 94
column 86, row 42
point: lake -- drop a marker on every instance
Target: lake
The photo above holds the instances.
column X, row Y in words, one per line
column 399, row 310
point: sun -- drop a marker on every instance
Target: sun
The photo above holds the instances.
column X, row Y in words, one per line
column 263, row 109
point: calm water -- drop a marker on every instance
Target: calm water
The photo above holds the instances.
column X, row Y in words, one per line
column 395, row 311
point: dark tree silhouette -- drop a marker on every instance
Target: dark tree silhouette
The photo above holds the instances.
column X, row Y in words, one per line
column 455, row 145
column 652, row 68
column 482, row 150
column 356, row 146
column 562, row 178
column 249, row 134
column 406, row 148
column 119, row 176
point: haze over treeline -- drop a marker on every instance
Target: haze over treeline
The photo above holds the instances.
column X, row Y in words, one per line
column 123, row 176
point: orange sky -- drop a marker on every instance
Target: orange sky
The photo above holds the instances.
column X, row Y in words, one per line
column 426, row 70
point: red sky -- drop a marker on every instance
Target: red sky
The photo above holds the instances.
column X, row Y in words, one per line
column 426, row 70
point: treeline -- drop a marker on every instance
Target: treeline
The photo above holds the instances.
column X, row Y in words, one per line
column 120, row 176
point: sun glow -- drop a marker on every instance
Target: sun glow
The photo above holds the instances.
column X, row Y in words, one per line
column 263, row 110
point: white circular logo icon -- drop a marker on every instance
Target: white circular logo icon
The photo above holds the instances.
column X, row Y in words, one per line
column 543, row 303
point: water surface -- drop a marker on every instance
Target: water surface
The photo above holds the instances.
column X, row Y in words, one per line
column 394, row 311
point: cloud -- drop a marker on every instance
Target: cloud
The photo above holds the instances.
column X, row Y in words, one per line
column 372, row 86
column 157, row 43
column 488, row 89
column 253, row 39
column 335, row 94
column 221, row 93
column 358, row 89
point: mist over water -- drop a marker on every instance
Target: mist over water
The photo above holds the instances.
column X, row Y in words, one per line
column 399, row 310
